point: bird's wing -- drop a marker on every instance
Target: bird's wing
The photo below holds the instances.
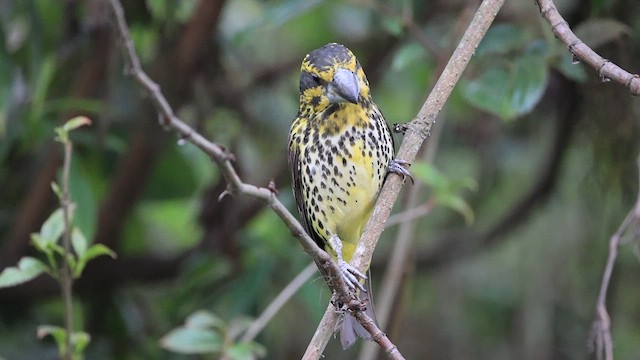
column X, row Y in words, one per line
column 296, row 172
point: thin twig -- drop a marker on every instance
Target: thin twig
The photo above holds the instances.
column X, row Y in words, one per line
column 223, row 159
column 66, row 279
column 276, row 304
column 411, row 214
column 417, row 131
column 583, row 53
column 601, row 331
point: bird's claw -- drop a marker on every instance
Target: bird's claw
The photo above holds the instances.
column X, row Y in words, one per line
column 351, row 276
column 400, row 167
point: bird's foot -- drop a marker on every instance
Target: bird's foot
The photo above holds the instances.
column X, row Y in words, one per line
column 400, row 167
column 351, row 276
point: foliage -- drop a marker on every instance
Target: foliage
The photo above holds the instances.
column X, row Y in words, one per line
column 446, row 191
column 205, row 333
column 47, row 242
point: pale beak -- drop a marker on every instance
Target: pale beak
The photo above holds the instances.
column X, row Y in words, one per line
column 345, row 87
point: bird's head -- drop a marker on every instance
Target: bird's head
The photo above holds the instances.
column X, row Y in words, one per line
column 331, row 75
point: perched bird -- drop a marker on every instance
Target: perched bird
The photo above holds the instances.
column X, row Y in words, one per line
column 340, row 151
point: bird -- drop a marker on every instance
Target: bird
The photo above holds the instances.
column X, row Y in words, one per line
column 340, row 150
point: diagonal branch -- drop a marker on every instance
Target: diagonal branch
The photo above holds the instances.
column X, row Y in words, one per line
column 416, row 133
column 581, row 52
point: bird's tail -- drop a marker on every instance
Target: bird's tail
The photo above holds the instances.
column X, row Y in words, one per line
column 351, row 329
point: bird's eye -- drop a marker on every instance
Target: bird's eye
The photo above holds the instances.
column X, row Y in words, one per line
column 309, row 80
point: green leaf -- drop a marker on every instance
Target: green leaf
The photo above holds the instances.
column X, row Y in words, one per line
column 203, row 319
column 56, row 248
column 79, row 339
column 199, row 335
column 96, row 250
column 40, row 244
column 185, row 340
column 62, row 132
column 79, row 242
column 56, row 189
column 509, row 90
column 58, row 334
column 488, row 90
column 446, row 191
column 28, row 268
column 75, row 123
column 429, row 175
column 52, row 228
column 92, row 252
column 501, row 39
column 528, row 85
column 458, row 204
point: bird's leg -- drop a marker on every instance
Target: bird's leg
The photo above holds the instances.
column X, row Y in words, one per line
column 350, row 274
column 400, row 167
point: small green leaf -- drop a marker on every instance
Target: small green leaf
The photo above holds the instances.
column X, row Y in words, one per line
column 57, row 332
column 458, row 204
column 185, row 340
column 429, row 175
column 80, row 340
column 52, row 228
column 28, row 268
column 96, row 250
column 56, row 248
column 56, row 189
column 79, row 242
column 62, row 132
column 92, row 252
column 446, row 191
column 40, row 244
column 75, row 123
column 203, row 319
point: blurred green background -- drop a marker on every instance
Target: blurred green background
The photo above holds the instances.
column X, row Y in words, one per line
column 534, row 167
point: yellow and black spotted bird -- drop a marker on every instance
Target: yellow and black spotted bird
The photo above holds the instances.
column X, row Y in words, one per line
column 340, row 150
